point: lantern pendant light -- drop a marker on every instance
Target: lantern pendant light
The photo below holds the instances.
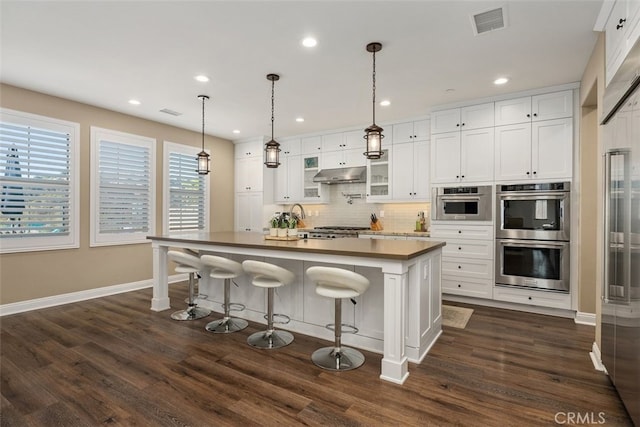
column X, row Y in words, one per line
column 203, row 156
column 272, row 148
column 373, row 134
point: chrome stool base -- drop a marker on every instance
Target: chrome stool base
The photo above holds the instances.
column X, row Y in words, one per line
column 270, row 339
column 191, row 313
column 344, row 360
column 226, row 325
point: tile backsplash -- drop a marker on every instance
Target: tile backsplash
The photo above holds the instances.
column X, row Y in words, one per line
column 397, row 216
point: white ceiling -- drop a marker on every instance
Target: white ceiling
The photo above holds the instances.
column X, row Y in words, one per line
column 104, row 53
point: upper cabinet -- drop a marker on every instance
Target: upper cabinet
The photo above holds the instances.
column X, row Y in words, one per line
column 621, row 32
column 527, row 109
column 410, row 176
column 289, row 147
column 465, row 118
column 249, row 149
column 311, row 145
column 410, row 131
column 458, row 157
column 379, row 178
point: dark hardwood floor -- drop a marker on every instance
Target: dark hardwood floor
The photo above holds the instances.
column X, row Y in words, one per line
column 112, row 361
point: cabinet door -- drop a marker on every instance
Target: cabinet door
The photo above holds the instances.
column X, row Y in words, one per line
column 249, row 149
column 379, row 177
column 476, row 155
column 289, row 147
column 551, row 145
column 421, row 130
column 513, row 111
column 311, row 145
column 477, row 116
column 249, row 174
column 311, row 191
column 282, row 181
column 355, row 140
column 332, row 142
column 402, row 132
column 354, row 157
column 615, row 40
column 249, row 211
column 332, row 159
column 420, row 170
column 445, row 121
column 550, row 106
column 295, row 177
column 513, row 152
column 445, row 157
column 402, row 174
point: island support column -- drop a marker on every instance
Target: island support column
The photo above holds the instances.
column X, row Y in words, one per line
column 160, row 300
column 394, row 363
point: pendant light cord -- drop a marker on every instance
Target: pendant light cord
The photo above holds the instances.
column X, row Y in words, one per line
column 203, row 98
column 374, row 87
column 273, row 82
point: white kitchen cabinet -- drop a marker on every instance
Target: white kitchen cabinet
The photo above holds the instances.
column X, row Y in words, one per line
column 288, row 180
column 246, row 149
column 249, row 211
column 621, row 32
column 465, row 156
column 354, row 140
column 548, row 106
column 410, row 179
column 333, row 142
column 467, row 259
column 289, row 147
column 379, row 178
column 312, row 192
column 343, row 158
column 410, row 131
column 249, row 174
column 311, row 145
column 540, row 150
column 457, row 119
column 532, row 297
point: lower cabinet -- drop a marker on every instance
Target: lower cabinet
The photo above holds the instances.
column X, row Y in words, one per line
column 478, row 288
column 249, row 211
column 532, row 297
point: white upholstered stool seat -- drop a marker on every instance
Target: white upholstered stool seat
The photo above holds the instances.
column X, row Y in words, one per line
column 190, row 264
column 226, row 269
column 337, row 283
column 269, row 276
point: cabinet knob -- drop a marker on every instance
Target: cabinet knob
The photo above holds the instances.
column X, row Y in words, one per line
column 621, row 23
column 459, row 231
column 459, row 285
column 459, row 248
column 462, row 176
column 457, row 124
column 534, row 172
column 530, row 298
column 528, row 115
column 459, row 267
column 457, row 176
column 527, row 173
column 535, row 114
column 415, row 136
column 463, row 124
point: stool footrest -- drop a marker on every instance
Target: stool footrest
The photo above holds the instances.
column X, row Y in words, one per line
column 234, row 306
column 283, row 318
column 345, row 328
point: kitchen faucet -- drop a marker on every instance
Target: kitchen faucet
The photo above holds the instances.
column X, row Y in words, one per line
column 302, row 215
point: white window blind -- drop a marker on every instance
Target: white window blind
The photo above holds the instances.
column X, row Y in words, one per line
column 185, row 194
column 123, row 170
column 37, row 180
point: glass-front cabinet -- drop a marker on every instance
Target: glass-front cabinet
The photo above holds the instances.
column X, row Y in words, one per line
column 311, row 191
column 378, row 178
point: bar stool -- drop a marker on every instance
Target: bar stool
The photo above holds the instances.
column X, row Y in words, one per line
column 196, row 289
column 188, row 264
column 224, row 268
column 269, row 276
column 338, row 283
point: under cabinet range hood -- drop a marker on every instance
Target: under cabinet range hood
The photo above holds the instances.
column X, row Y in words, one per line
column 341, row 175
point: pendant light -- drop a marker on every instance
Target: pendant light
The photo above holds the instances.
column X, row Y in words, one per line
column 203, row 156
column 373, row 134
column 272, row 148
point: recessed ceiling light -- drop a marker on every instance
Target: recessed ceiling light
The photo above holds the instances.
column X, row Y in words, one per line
column 134, row 102
column 385, row 103
column 201, row 78
column 236, row 131
column 299, row 119
column 309, row 42
column 500, row 81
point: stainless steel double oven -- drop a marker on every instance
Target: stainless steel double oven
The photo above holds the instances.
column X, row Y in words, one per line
column 532, row 236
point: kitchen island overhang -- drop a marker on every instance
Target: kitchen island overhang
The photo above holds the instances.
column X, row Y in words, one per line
column 410, row 270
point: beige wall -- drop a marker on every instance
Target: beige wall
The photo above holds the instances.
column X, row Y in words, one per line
column 591, row 93
column 29, row 275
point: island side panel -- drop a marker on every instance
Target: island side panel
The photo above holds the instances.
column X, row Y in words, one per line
column 394, row 362
column 160, row 300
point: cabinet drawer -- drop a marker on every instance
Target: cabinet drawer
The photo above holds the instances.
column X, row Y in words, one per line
column 467, row 267
column 463, row 286
column 469, row 249
column 448, row 231
column 532, row 297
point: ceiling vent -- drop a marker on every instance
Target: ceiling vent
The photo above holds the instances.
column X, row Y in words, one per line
column 168, row 111
column 488, row 21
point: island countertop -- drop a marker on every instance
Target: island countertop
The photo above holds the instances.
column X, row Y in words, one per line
column 370, row 248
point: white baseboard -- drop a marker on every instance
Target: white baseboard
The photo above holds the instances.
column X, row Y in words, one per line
column 585, row 318
column 39, row 303
column 596, row 358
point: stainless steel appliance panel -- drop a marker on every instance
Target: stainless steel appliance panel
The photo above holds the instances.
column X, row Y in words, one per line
column 542, row 265
column 621, row 273
column 462, row 203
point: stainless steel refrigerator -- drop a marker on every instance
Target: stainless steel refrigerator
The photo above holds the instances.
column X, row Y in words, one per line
column 621, row 288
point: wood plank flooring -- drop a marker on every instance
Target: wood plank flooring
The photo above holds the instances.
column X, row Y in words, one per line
column 112, row 361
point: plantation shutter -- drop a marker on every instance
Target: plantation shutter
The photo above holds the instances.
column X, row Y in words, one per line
column 35, row 171
column 186, row 193
column 124, row 204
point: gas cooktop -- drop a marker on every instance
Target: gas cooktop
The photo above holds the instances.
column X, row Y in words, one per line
column 340, row 228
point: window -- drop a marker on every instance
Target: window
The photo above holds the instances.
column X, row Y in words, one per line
column 123, row 187
column 39, row 207
column 186, row 194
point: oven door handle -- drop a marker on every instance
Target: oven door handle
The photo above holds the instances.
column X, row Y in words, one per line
column 458, row 198
column 534, row 196
column 537, row 244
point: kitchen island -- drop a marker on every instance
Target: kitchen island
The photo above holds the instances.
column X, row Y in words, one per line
column 407, row 290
